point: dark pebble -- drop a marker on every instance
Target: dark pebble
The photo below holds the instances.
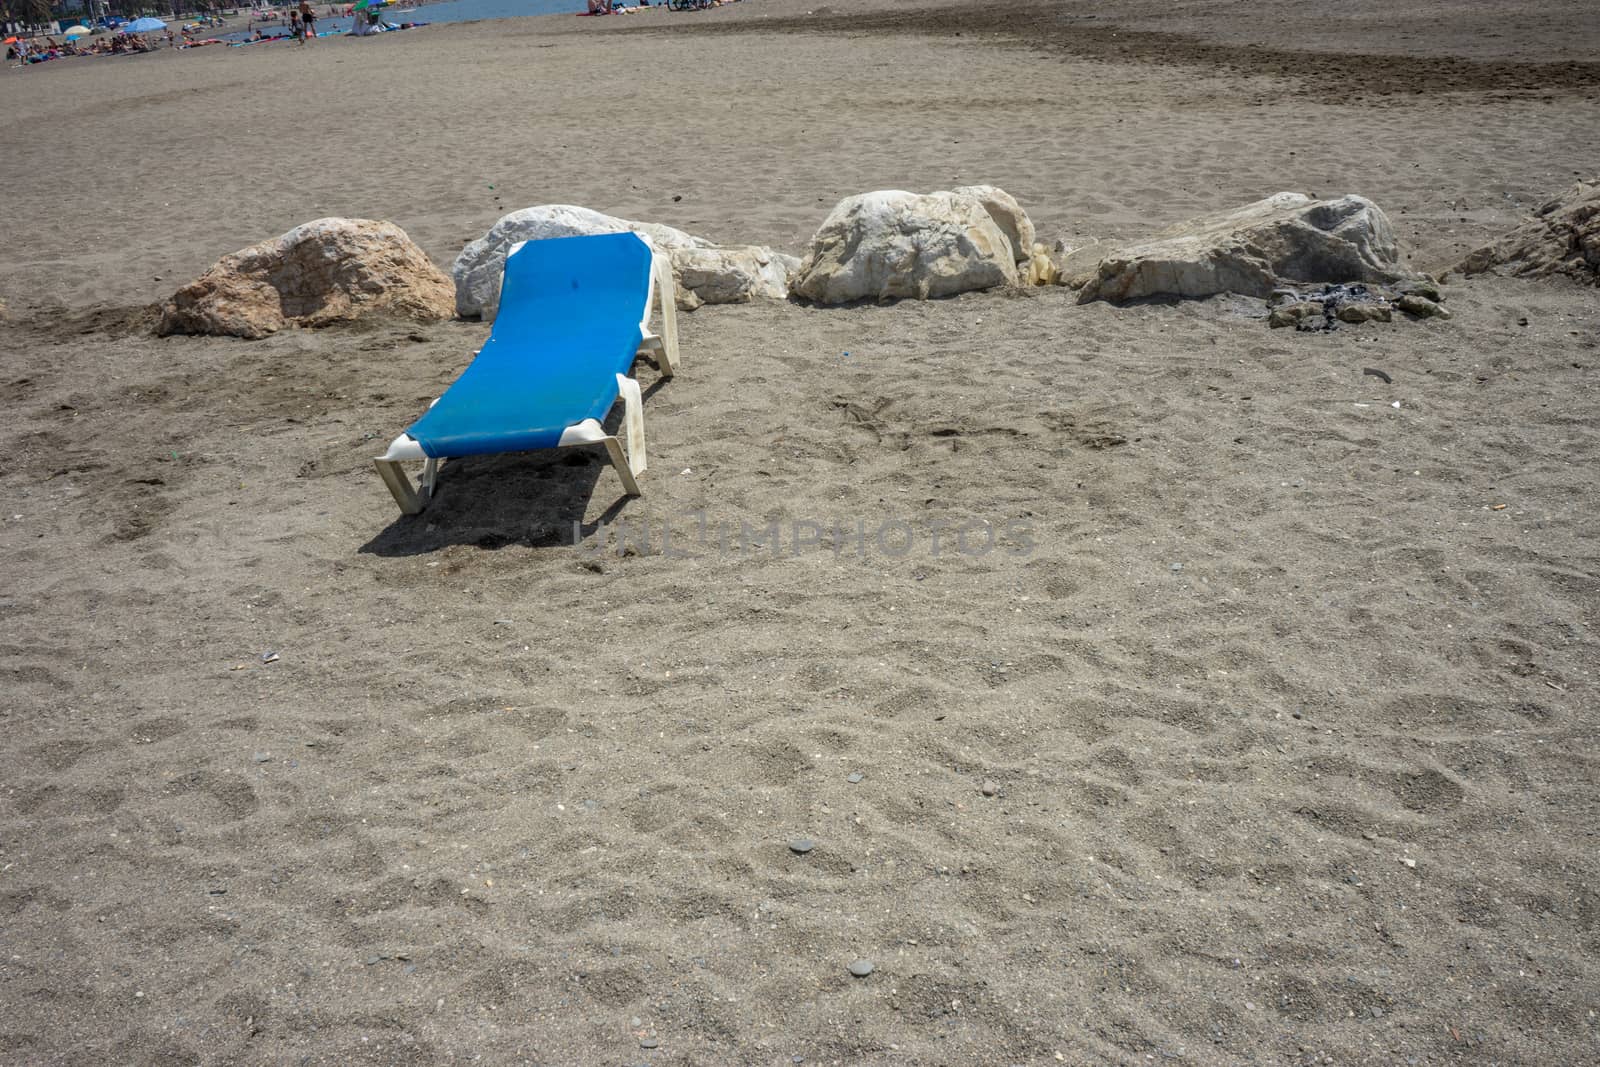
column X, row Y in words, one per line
column 801, row 845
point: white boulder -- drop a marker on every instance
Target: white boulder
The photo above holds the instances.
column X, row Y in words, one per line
column 1285, row 239
column 892, row 243
column 477, row 269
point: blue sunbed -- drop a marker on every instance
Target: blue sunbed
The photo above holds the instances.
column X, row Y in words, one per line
column 574, row 313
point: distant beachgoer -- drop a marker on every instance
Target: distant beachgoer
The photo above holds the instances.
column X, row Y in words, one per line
column 294, row 25
column 308, row 19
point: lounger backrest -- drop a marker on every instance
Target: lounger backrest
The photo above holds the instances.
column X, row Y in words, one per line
column 576, row 283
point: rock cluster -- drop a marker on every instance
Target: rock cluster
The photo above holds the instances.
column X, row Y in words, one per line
column 324, row 272
column 1319, row 263
column 1326, row 308
column 1562, row 238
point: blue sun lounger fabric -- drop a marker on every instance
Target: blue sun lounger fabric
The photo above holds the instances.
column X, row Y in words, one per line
column 574, row 313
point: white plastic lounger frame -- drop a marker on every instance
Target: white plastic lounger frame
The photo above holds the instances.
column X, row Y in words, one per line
column 629, row 462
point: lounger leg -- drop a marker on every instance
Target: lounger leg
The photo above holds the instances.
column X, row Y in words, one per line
column 630, row 484
column 630, row 463
column 667, row 294
column 633, row 422
column 394, row 476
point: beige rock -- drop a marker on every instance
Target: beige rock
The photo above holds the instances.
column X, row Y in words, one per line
column 1042, row 268
column 1420, row 306
column 1287, row 238
column 892, row 243
column 324, row 272
column 686, row 299
column 1007, row 214
column 1562, row 238
column 1068, row 265
column 1294, row 314
column 1356, row 313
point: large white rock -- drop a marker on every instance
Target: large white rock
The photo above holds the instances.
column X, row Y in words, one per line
column 733, row 275
column 1007, row 214
column 1285, row 239
column 477, row 269
column 893, row 243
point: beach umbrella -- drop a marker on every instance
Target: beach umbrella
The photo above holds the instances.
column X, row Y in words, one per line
column 76, row 31
column 144, row 25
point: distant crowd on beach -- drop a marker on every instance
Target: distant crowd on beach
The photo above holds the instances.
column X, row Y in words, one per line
column 43, row 49
column 620, row 7
column 296, row 23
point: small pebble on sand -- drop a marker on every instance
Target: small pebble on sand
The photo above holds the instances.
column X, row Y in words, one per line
column 801, row 845
column 861, row 968
column 989, row 789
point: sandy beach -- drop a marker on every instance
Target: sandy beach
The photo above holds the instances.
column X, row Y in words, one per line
column 1256, row 724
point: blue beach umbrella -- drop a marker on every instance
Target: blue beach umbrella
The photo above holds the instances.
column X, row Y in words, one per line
column 144, row 25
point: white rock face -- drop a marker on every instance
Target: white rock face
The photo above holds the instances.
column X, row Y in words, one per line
column 733, row 275
column 1285, row 239
column 1007, row 214
column 893, row 243
column 477, row 269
